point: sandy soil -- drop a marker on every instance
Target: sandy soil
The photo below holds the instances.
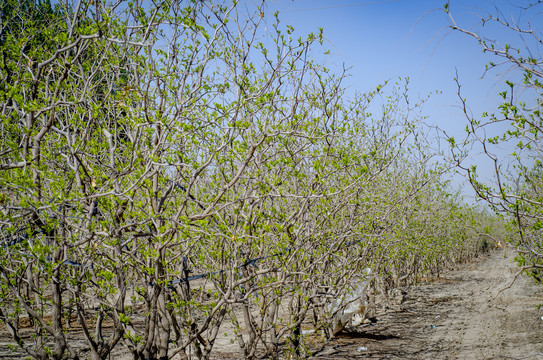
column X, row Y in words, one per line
column 458, row 316
column 461, row 315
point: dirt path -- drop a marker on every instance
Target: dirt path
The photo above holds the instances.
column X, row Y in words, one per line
column 456, row 317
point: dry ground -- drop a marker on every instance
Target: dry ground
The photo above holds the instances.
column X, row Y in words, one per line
column 457, row 316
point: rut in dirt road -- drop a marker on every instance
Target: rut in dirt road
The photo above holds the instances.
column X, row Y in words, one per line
column 457, row 316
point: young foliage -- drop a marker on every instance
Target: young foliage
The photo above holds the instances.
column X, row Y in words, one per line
column 167, row 178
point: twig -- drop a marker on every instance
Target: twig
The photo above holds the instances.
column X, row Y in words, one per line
column 513, row 281
column 410, row 311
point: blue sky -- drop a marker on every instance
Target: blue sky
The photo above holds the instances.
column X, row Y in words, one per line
column 386, row 39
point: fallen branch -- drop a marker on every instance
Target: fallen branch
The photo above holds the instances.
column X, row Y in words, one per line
column 522, row 269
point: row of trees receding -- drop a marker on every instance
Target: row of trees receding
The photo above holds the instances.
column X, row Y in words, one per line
column 174, row 171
